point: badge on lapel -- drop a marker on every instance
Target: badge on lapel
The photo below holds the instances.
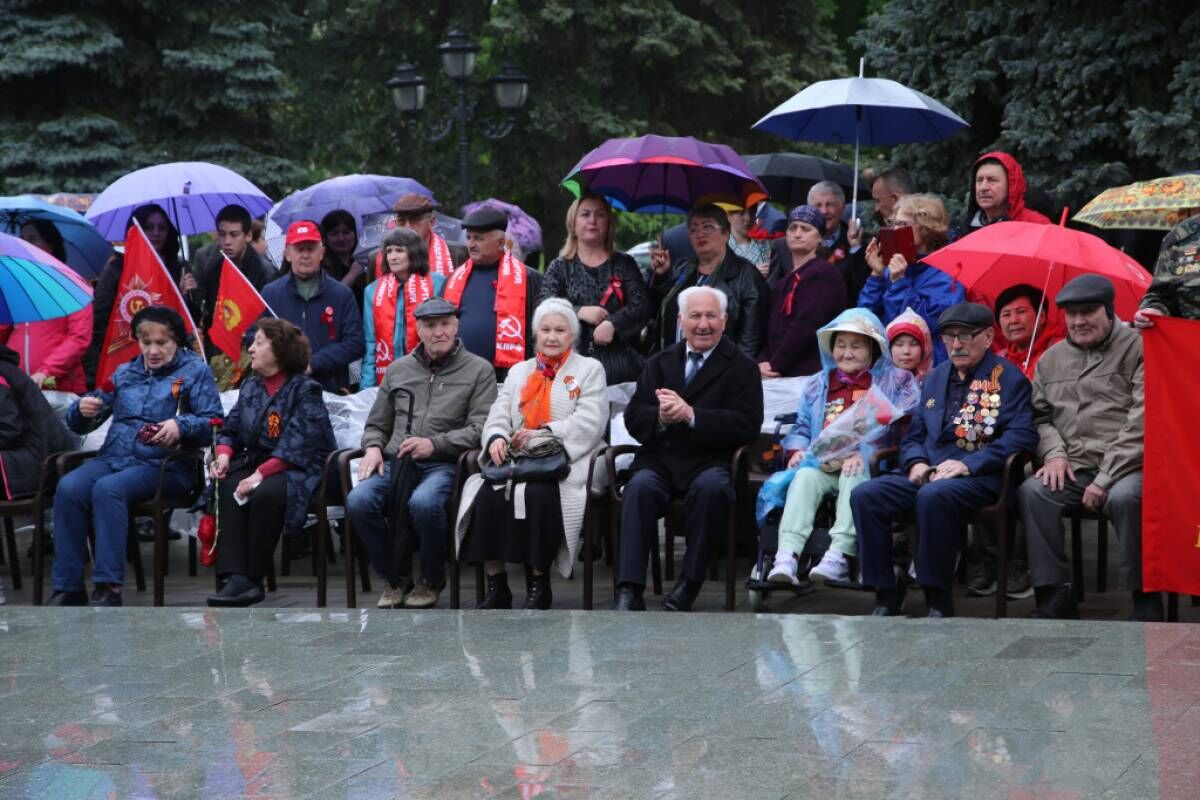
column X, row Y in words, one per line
column 274, row 424
column 930, row 403
column 573, row 388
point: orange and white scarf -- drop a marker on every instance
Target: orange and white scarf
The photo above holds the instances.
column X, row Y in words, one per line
column 511, row 287
column 417, row 289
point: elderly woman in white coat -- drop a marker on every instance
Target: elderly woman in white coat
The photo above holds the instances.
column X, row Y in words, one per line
column 536, row 522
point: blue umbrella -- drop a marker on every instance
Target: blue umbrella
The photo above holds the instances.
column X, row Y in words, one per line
column 870, row 111
column 87, row 250
column 358, row 194
column 191, row 192
column 36, row 286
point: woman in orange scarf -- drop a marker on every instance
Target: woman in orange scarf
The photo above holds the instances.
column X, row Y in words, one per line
column 536, row 523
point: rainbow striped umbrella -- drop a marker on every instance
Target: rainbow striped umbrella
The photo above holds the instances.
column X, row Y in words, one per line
column 665, row 174
column 36, row 286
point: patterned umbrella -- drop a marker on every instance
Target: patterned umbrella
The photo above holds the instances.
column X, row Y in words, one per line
column 36, row 286
column 87, row 250
column 1160, row 204
column 665, row 175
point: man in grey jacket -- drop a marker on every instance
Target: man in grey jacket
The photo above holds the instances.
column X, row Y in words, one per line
column 453, row 391
column 1088, row 405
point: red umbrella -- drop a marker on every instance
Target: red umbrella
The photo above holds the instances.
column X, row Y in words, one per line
column 998, row 256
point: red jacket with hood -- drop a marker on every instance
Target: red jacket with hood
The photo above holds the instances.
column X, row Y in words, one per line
column 1016, row 192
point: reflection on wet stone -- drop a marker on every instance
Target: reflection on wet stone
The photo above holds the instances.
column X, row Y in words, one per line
column 360, row 704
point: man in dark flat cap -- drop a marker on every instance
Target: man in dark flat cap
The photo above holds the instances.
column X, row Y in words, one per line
column 495, row 293
column 974, row 413
column 453, row 391
column 1088, row 406
column 415, row 212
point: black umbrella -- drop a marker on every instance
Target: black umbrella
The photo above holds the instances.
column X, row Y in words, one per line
column 404, row 479
column 789, row 176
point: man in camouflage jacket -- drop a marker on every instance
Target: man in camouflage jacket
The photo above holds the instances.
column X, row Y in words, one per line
column 1175, row 290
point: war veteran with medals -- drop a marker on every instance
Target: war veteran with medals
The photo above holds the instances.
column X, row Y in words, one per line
column 974, row 413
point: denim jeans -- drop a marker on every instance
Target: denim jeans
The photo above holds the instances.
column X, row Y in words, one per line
column 367, row 508
column 101, row 492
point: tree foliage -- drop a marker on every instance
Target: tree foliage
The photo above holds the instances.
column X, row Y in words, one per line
column 95, row 89
column 1085, row 94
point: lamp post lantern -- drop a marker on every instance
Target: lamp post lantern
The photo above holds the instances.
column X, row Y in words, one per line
column 510, row 89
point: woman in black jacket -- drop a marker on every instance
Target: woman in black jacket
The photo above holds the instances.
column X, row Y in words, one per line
column 716, row 265
column 605, row 287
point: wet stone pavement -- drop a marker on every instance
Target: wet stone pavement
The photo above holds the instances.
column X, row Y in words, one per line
column 357, row 704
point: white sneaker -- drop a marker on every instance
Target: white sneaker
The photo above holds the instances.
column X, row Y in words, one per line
column 912, row 571
column 391, row 597
column 833, row 567
column 784, row 570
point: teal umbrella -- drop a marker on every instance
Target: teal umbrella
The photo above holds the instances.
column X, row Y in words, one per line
column 36, row 286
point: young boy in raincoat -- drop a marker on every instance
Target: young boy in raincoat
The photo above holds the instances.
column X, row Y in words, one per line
column 858, row 381
column 910, row 343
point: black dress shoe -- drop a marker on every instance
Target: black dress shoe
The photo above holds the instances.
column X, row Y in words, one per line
column 538, row 596
column 939, row 603
column 682, row 596
column 238, row 592
column 1147, row 607
column 104, row 596
column 498, row 594
column 628, row 598
column 1055, row 602
column 888, row 603
column 68, row 599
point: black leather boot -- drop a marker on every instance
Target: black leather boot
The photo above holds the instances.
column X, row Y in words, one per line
column 1147, row 607
column 498, row 594
column 629, row 598
column 1055, row 602
column 537, row 595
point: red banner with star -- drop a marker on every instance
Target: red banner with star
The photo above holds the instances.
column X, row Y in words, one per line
column 238, row 306
column 1170, row 515
column 144, row 282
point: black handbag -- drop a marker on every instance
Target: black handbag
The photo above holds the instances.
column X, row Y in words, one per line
column 543, row 459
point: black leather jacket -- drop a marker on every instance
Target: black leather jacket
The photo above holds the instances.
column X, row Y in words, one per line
column 749, row 300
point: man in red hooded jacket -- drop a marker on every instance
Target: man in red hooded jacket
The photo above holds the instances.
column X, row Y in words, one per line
column 998, row 193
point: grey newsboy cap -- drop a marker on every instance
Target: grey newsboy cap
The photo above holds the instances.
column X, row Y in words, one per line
column 966, row 315
column 435, row 307
column 485, row 219
column 1086, row 290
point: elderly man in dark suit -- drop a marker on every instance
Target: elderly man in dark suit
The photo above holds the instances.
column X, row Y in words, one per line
column 975, row 412
column 696, row 402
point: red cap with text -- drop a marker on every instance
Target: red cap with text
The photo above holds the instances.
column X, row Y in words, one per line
column 303, row 231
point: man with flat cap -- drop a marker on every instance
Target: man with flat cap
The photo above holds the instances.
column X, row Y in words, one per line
column 974, row 413
column 1088, row 407
column 453, row 391
column 496, row 294
column 415, row 212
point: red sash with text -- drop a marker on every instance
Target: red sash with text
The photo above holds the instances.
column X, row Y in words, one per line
column 510, row 306
column 417, row 289
column 1171, row 472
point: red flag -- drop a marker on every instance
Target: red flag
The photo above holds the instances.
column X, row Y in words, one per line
column 1170, row 515
column 238, row 306
column 144, row 282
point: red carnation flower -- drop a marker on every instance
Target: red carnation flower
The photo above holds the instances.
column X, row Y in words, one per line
column 207, row 534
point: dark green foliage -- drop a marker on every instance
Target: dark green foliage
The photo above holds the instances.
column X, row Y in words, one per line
column 92, row 90
column 1085, row 94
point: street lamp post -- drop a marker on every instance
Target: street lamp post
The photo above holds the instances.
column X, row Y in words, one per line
column 510, row 89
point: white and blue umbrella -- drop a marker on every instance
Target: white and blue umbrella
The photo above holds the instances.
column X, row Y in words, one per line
column 867, row 111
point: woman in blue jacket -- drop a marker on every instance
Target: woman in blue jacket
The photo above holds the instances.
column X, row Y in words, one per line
column 389, row 328
column 163, row 399
column 898, row 285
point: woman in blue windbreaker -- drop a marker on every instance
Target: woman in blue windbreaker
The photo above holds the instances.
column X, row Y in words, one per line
column 389, row 328
column 163, row 399
column 897, row 285
column 846, row 410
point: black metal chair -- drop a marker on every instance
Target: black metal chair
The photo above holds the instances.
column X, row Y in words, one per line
column 32, row 506
column 738, row 471
column 158, row 508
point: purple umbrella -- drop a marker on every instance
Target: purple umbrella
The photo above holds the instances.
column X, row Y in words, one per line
column 522, row 228
column 665, row 174
column 359, row 194
column 191, row 192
